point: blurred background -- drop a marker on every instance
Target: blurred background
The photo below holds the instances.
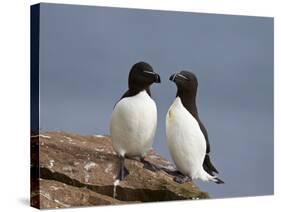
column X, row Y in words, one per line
column 87, row 52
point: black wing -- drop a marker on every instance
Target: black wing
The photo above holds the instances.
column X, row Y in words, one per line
column 207, row 164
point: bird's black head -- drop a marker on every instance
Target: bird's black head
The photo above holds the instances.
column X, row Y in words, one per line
column 142, row 76
column 186, row 81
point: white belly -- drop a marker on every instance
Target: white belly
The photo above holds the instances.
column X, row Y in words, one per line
column 185, row 140
column 133, row 125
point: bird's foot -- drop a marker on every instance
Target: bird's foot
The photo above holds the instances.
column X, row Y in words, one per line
column 182, row 179
column 149, row 166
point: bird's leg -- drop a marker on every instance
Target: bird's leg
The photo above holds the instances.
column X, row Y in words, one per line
column 123, row 171
column 149, row 166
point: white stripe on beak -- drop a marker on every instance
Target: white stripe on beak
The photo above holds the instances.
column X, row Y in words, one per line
column 149, row 72
column 174, row 77
column 180, row 75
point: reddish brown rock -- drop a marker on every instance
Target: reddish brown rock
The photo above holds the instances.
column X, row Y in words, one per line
column 87, row 165
column 54, row 194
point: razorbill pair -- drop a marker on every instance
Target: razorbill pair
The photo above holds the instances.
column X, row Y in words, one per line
column 134, row 121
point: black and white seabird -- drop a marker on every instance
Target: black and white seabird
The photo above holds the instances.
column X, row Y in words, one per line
column 134, row 118
column 187, row 137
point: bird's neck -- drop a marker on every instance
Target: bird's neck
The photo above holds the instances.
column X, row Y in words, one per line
column 134, row 90
column 188, row 100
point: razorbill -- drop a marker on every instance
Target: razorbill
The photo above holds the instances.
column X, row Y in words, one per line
column 134, row 118
column 187, row 137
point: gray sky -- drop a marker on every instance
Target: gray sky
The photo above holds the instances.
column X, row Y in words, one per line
column 87, row 52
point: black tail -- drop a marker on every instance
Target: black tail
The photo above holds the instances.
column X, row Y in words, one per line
column 218, row 181
column 208, row 166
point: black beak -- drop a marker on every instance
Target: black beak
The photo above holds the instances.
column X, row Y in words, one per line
column 173, row 77
column 157, row 78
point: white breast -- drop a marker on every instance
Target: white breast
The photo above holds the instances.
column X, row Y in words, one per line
column 133, row 125
column 185, row 140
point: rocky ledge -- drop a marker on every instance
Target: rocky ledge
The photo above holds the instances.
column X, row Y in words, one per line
column 73, row 170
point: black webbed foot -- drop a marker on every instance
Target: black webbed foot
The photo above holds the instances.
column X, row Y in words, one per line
column 182, row 179
column 149, row 166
